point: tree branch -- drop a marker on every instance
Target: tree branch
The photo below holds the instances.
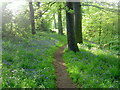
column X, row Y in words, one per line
column 107, row 9
column 47, row 9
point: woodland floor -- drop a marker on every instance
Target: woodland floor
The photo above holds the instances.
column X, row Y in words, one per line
column 63, row 80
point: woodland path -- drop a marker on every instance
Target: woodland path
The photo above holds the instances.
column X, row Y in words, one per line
column 63, row 80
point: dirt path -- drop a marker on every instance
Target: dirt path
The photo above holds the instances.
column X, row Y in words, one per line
column 63, row 80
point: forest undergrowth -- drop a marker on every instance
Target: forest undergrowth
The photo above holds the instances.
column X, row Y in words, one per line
column 27, row 62
column 92, row 67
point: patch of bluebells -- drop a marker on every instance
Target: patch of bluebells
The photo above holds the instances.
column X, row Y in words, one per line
column 29, row 69
column 75, row 58
column 40, row 48
column 30, row 72
column 99, row 70
column 101, row 79
column 43, row 75
column 47, row 77
column 99, row 67
column 43, row 43
column 7, row 63
column 35, row 59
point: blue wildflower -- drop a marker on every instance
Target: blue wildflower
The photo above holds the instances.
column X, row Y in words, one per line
column 46, row 77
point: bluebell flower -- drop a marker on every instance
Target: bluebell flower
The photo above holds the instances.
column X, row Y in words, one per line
column 7, row 63
column 28, row 74
column 99, row 67
column 46, row 77
column 100, row 78
column 31, row 69
column 34, row 59
column 112, row 86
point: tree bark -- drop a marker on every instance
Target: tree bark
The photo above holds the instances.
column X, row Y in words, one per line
column 54, row 21
column 72, row 45
column 3, row 12
column 60, row 29
column 32, row 17
column 78, row 21
column 100, row 29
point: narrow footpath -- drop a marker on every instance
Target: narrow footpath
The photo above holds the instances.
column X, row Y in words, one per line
column 63, row 80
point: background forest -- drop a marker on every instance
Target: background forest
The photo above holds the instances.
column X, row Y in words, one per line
column 33, row 31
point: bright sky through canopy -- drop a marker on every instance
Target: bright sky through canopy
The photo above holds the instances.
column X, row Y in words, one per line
column 18, row 4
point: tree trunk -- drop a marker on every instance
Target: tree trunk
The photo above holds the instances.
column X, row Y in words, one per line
column 32, row 17
column 78, row 21
column 119, row 28
column 3, row 23
column 3, row 26
column 99, row 35
column 11, row 25
column 100, row 31
column 60, row 29
column 3, row 7
column 54, row 21
column 72, row 45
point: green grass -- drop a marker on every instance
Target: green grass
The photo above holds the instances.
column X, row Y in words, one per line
column 92, row 67
column 27, row 62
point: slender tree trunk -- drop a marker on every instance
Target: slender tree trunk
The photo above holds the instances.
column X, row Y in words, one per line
column 32, row 17
column 119, row 29
column 3, row 26
column 100, row 31
column 99, row 36
column 78, row 21
column 3, row 23
column 54, row 21
column 11, row 25
column 72, row 45
column 60, row 29
column 4, row 4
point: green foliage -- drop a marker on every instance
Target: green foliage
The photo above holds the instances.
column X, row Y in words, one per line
column 43, row 17
column 71, row 11
column 22, row 22
column 100, row 26
column 93, row 68
column 43, row 24
column 18, row 24
column 28, row 61
column 114, row 45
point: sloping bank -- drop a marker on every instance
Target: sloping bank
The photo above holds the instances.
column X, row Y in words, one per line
column 28, row 61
